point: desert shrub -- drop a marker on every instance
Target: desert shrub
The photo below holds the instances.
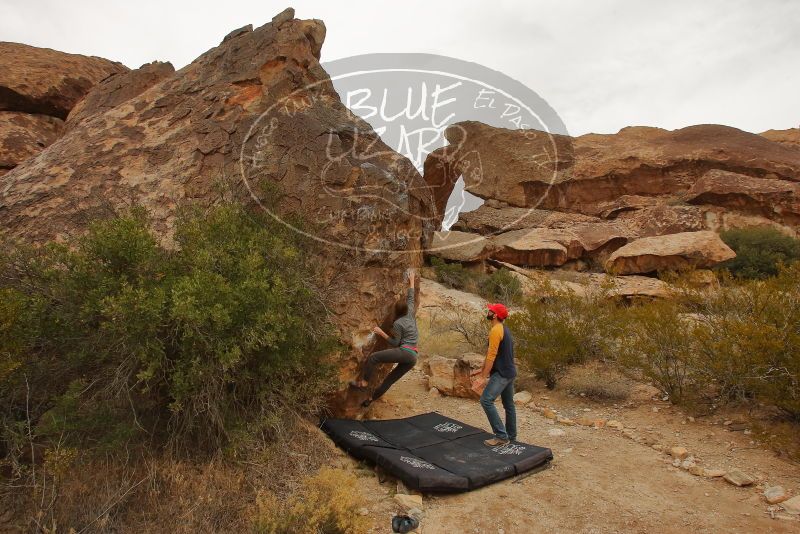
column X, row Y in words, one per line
column 452, row 275
column 14, row 332
column 500, row 286
column 327, row 503
column 562, row 330
column 759, row 251
column 749, row 341
column 658, row 342
column 598, row 382
column 128, row 338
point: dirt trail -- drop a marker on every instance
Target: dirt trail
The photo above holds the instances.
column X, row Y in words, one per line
column 600, row 481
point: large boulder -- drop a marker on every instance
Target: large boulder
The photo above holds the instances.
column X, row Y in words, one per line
column 670, row 252
column 47, row 82
column 258, row 117
column 506, row 165
column 23, row 135
column 464, row 247
column 537, row 247
column 488, row 220
column 451, row 376
column 550, row 247
column 439, row 302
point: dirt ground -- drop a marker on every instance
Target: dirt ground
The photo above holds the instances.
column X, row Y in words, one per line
column 600, row 481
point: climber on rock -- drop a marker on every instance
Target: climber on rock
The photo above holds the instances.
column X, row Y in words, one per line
column 404, row 346
column 498, row 373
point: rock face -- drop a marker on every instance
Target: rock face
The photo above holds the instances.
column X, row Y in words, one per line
column 774, row 199
column 646, row 197
column 259, row 116
column 117, row 89
column 437, row 300
column 530, row 169
column 670, row 252
column 23, row 135
column 461, row 246
column 38, row 88
column 790, row 137
column 487, row 220
column 538, row 247
column 451, row 376
column 47, row 82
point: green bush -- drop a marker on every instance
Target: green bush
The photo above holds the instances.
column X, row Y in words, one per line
column 749, row 341
column 562, row 330
column 500, row 286
column 123, row 337
column 759, row 251
column 658, row 342
column 452, row 275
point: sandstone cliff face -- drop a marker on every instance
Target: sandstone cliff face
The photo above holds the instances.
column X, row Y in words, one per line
column 117, row 89
column 588, row 174
column 23, row 135
column 258, row 116
column 790, row 137
column 38, row 88
column 557, row 201
column 47, row 82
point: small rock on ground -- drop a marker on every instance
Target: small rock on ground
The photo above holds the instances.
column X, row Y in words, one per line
column 679, row 452
column 792, row 506
column 522, row 398
column 738, row 478
column 775, row 494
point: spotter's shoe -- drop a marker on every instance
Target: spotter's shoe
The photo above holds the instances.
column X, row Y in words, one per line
column 494, row 442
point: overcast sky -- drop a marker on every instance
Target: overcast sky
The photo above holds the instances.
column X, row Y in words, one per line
column 601, row 65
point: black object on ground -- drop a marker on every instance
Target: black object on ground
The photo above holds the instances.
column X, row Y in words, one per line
column 404, row 523
column 433, row 453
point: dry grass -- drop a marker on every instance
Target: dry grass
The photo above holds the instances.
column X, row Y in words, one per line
column 163, row 494
column 328, row 502
column 597, row 381
column 452, row 334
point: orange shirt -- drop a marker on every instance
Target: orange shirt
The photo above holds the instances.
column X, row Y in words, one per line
column 495, row 337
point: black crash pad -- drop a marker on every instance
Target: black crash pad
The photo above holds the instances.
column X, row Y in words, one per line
column 431, row 452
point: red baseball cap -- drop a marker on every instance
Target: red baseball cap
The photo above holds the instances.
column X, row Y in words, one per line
column 499, row 310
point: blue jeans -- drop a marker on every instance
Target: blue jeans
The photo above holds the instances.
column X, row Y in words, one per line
column 503, row 387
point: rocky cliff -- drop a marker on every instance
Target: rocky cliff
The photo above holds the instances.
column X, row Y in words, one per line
column 38, row 89
column 556, row 201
